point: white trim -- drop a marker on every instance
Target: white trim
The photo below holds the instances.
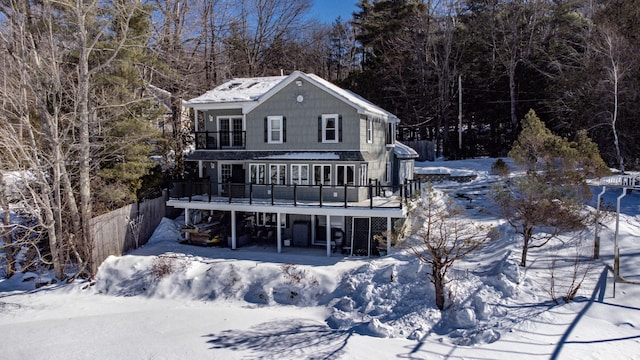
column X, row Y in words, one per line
column 364, row 174
column 270, row 129
column 336, row 129
column 230, row 118
column 279, row 176
column 322, row 167
column 394, row 212
column 345, row 177
column 264, row 173
column 299, row 167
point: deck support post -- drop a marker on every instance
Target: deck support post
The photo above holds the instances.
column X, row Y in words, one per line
column 233, row 229
column 279, row 231
column 388, row 235
column 328, row 235
column 187, row 220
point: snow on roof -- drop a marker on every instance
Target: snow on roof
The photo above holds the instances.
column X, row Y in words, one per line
column 239, row 89
column 304, row 156
column 403, row 151
column 352, row 97
column 260, row 88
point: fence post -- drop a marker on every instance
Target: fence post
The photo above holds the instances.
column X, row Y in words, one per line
column 320, row 194
column 295, row 194
column 229, row 190
column 250, row 193
column 345, row 195
column 272, row 194
column 370, row 196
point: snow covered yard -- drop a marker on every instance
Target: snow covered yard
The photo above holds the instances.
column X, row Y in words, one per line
column 172, row 301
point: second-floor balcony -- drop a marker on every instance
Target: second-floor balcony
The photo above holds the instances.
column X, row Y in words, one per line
column 219, row 140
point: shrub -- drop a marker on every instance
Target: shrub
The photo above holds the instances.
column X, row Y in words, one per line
column 499, row 167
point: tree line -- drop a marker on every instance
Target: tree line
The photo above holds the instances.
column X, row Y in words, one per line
column 80, row 122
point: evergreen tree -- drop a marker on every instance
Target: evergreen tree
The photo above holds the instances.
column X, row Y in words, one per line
column 127, row 130
column 553, row 191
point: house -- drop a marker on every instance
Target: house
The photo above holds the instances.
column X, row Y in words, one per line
column 296, row 160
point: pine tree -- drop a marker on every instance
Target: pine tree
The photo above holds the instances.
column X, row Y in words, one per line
column 553, row 191
column 127, row 128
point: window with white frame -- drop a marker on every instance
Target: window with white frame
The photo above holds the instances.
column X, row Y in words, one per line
column 225, row 172
column 330, row 128
column 363, row 175
column 231, row 131
column 300, row 174
column 369, row 130
column 345, row 174
column 391, row 134
column 258, row 173
column 277, row 174
column 322, row 174
column 275, row 129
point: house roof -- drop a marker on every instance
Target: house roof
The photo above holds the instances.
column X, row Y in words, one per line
column 403, row 151
column 238, row 90
column 253, row 91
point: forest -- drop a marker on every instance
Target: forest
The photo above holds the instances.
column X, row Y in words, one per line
column 78, row 116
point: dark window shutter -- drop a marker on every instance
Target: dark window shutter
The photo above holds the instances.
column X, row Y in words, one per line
column 319, row 128
column 284, row 129
column 339, row 128
column 266, row 129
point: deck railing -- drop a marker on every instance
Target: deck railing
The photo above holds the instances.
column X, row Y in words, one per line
column 217, row 140
column 294, row 194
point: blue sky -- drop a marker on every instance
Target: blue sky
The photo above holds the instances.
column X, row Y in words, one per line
column 328, row 10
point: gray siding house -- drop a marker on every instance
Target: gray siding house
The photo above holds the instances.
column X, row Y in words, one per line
column 298, row 158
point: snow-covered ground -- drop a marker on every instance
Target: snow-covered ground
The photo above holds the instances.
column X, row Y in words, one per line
column 172, row 301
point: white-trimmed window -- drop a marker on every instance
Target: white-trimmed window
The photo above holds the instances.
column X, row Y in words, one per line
column 278, row 174
column 300, row 174
column 330, row 128
column 275, row 129
column 322, row 174
column 345, row 174
column 231, row 131
column 258, row 173
column 225, row 173
column 391, row 134
column 363, row 175
column 369, row 130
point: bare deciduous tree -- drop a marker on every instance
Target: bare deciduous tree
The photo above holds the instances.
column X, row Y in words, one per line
column 610, row 46
column 441, row 236
column 50, row 126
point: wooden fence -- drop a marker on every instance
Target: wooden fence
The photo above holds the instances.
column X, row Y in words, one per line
column 426, row 149
column 113, row 233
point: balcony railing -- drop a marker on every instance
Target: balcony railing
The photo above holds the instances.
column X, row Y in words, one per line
column 371, row 196
column 217, row 140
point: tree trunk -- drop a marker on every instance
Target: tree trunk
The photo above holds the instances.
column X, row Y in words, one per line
column 178, row 136
column 512, row 97
column 7, row 233
column 84, row 155
column 527, row 234
column 438, row 283
column 614, row 116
